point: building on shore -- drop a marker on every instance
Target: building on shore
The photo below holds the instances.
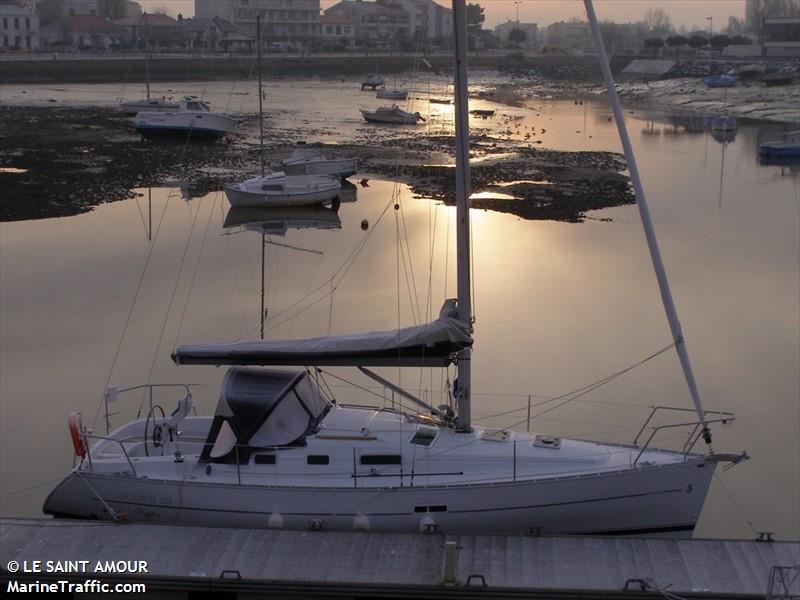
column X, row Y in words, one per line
column 19, row 27
column 214, row 35
column 781, row 36
column 379, row 25
column 290, row 23
column 84, row 32
column 151, row 31
column 118, row 9
column 338, row 33
column 531, row 31
column 428, row 20
column 395, row 24
column 569, row 36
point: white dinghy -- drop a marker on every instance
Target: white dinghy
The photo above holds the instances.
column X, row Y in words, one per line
column 307, row 161
column 279, row 452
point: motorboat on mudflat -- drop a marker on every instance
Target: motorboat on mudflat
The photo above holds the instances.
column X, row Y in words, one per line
column 193, row 121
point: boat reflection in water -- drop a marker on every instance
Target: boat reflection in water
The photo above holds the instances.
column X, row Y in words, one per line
column 277, row 221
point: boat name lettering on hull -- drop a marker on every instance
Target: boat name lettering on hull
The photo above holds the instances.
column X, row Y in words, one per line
column 144, row 499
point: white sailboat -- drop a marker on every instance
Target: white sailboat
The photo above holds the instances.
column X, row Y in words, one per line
column 393, row 94
column 279, row 452
column 279, row 189
column 391, row 115
column 306, row 185
column 163, row 104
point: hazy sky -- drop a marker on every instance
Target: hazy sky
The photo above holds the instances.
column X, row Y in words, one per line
column 691, row 13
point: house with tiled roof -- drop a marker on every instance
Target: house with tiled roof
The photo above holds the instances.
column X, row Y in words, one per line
column 337, row 32
column 151, row 30
column 83, row 32
column 215, row 34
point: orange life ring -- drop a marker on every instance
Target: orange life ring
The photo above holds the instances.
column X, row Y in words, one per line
column 74, row 422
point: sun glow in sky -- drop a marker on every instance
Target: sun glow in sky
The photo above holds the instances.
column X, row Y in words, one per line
column 691, row 13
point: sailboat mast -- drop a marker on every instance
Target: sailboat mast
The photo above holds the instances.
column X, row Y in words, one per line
column 260, row 98
column 147, row 56
column 463, row 391
column 647, row 222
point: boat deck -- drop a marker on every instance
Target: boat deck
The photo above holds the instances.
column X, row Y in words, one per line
column 360, row 564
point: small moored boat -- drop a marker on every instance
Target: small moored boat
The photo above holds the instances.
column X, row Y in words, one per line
column 279, row 189
column 392, row 115
column 716, row 81
column 778, row 78
column 392, row 94
column 193, row 120
column 788, row 146
column 306, row 161
column 134, row 107
column 372, row 81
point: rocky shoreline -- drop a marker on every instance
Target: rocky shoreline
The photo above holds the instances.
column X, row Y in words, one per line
column 61, row 161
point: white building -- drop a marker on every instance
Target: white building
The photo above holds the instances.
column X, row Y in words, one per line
column 294, row 22
column 337, row 32
column 19, row 27
column 569, row 35
column 435, row 20
column 531, row 32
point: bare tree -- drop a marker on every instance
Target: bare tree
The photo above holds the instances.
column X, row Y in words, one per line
column 112, row 9
column 659, row 22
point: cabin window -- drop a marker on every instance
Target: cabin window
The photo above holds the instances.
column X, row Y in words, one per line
column 424, row 435
column 433, row 508
column 264, row 459
column 381, row 459
column 318, row 459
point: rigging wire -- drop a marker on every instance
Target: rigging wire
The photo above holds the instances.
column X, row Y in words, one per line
column 332, row 282
column 196, row 268
column 736, row 504
column 171, row 300
column 132, row 307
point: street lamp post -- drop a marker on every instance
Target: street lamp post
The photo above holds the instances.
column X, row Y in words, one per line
column 516, row 5
column 710, row 27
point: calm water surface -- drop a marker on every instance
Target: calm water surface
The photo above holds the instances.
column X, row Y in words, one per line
column 558, row 305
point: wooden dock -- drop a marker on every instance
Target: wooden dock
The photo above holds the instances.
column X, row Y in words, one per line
column 183, row 561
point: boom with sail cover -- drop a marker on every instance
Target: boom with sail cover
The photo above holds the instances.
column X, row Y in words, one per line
column 429, row 345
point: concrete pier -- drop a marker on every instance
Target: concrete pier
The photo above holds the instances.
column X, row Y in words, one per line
column 182, row 561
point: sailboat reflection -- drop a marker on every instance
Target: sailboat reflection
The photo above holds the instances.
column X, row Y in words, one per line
column 277, row 221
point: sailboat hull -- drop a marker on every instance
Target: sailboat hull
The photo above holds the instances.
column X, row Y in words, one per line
column 183, row 125
column 657, row 500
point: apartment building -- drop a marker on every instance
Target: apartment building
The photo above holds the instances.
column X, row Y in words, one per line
column 295, row 22
column 19, row 27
